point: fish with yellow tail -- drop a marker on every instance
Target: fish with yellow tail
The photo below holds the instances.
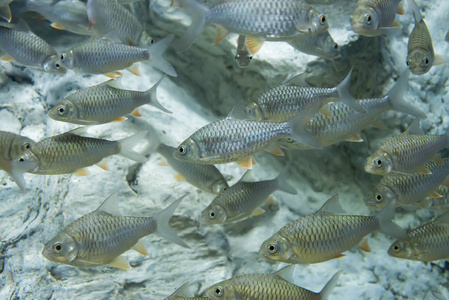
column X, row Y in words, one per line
column 100, row 237
column 267, row 286
column 428, row 242
column 326, row 234
column 376, row 17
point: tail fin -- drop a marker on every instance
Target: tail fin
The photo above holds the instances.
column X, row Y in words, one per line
column 152, row 97
column 298, row 125
column 127, row 145
column 330, row 285
column 198, row 14
column 387, row 226
column 396, row 94
column 163, row 229
column 156, row 58
column 346, row 97
column 282, row 182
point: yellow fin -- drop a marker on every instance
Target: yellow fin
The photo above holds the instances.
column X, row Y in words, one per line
column 134, row 69
column 270, row 201
column 246, row 162
column 354, row 138
column 140, row 247
column 363, row 245
column 434, row 195
column 136, row 113
column 103, row 164
column 257, row 212
column 113, row 75
column 179, row 177
column 439, row 60
column 253, row 44
column 120, row 119
column 57, row 26
column 221, row 34
column 273, row 149
column 396, row 24
column 120, row 262
column 400, row 10
column 81, row 172
column 325, row 110
column 422, row 170
column 340, row 255
column 8, row 58
column 163, row 163
column 437, row 158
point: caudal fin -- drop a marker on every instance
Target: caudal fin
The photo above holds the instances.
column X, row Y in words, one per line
column 345, row 95
column 198, row 14
column 330, row 285
column 298, row 125
column 396, row 95
column 152, row 97
column 127, row 145
column 282, row 182
column 156, row 58
column 163, row 229
column 386, row 226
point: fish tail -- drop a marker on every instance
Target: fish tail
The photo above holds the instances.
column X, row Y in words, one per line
column 163, row 228
column 396, row 95
column 127, row 145
column 416, row 13
column 198, row 14
column 282, row 182
column 387, row 226
column 156, row 58
column 330, row 285
column 345, row 95
column 151, row 96
column 298, row 125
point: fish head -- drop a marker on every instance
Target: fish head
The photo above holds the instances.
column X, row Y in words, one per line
column 326, row 46
column 365, row 21
column 26, row 162
column 276, row 248
column 381, row 197
column 401, row 249
column 317, row 21
column 243, row 59
column 53, row 64
column 20, row 145
column 213, row 214
column 419, row 61
column 254, row 111
column 189, row 150
column 221, row 290
column 67, row 59
column 64, row 111
column 219, row 185
column 62, row 249
column 379, row 163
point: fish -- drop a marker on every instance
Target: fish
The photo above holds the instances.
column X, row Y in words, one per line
column 71, row 153
column 243, row 199
column 259, row 20
column 326, row 234
column 420, row 54
column 409, row 190
column 23, row 46
column 376, row 17
column 236, row 139
column 205, row 177
column 322, row 45
column 99, row 56
column 447, row 37
column 104, row 103
column 242, row 56
column 428, row 242
column 283, row 102
column 407, row 152
column 5, row 11
column 277, row 286
column 100, row 237
column 345, row 123
column 11, row 146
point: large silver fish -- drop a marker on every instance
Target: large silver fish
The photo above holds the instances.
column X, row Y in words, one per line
column 100, row 237
column 322, row 45
column 428, row 242
column 259, row 20
column 410, row 190
column 243, row 199
column 206, row 177
column 375, row 17
column 69, row 152
column 23, row 46
column 11, row 146
column 277, row 286
column 103, row 103
column 325, row 234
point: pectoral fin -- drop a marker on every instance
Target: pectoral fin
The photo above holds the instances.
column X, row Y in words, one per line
column 57, row 26
column 439, row 60
column 221, row 34
column 179, row 177
column 354, row 138
column 120, row 262
column 274, row 149
column 257, row 212
column 434, row 195
column 400, row 10
column 163, row 163
column 253, row 44
column 270, row 201
column 8, row 58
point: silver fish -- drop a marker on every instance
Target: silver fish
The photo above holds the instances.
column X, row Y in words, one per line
column 69, row 152
column 325, row 234
column 322, row 45
column 103, row 103
column 410, row 190
column 243, row 199
column 428, row 242
column 242, row 56
column 259, row 20
column 100, row 237
column 284, row 102
column 277, row 286
column 23, row 46
column 375, row 17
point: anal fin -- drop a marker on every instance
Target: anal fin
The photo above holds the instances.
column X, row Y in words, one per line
column 140, row 247
column 57, row 26
column 400, row 10
column 8, row 58
column 103, row 164
column 134, row 69
column 363, row 245
column 120, row 119
column 136, row 113
column 179, row 177
column 81, row 172
column 120, row 262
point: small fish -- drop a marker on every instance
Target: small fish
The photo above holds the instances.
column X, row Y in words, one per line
column 345, row 123
column 11, row 146
column 284, row 102
column 407, row 152
column 236, row 139
column 183, row 293
column 243, row 199
column 206, row 177
column 427, row 243
column 259, row 20
column 71, row 153
column 437, row 202
column 375, row 17
column 277, row 286
column 23, row 46
column 5, row 11
column 322, row 45
column 242, row 56
column 103, row 57
column 409, row 190
column 421, row 56
column 100, row 237
column 103, row 103
column 325, row 234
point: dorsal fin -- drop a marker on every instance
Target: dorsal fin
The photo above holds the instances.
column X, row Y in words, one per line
column 183, row 292
column 286, row 273
column 109, row 205
column 298, row 80
column 414, row 127
column 332, row 206
column 239, row 112
column 444, row 218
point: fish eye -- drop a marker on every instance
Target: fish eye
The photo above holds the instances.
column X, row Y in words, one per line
column 62, row 56
column 57, row 247
column 218, row 291
column 182, row 149
column 57, row 66
column 250, row 57
column 336, row 46
column 21, row 159
column 61, row 110
column 378, row 162
column 368, row 19
column 322, row 19
column 425, row 60
column 26, row 146
column 396, row 248
column 378, row 198
column 212, row 214
column 151, row 41
column 272, row 248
